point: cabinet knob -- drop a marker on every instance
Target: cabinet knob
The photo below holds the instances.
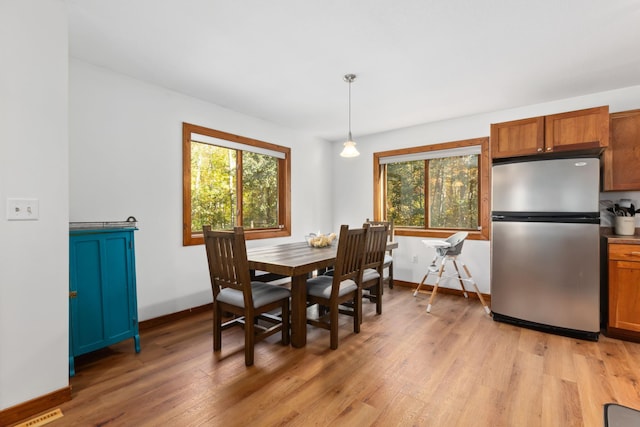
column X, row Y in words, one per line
column 73, row 294
column 548, row 148
column 539, row 150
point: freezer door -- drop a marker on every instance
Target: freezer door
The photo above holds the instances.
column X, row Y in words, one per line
column 558, row 185
column 547, row 273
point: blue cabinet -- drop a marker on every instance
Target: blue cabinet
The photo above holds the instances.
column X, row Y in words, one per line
column 103, row 307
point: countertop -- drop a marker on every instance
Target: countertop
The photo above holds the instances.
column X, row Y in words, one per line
column 607, row 233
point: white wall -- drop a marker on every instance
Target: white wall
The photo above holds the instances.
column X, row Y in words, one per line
column 126, row 159
column 34, row 278
column 353, row 184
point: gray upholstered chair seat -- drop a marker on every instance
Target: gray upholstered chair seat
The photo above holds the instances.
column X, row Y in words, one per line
column 263, row 294
column 321, row 286
column 369, row 274
column 388, row 259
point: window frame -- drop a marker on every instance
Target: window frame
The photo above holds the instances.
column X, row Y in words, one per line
column 484, row 193
column 190, row 238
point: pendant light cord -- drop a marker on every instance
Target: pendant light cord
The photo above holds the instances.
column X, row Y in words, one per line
column 350, row 137
column 349, row 78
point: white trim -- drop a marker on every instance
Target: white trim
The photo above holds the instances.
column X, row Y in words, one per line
column 434, row 154
column 205, row 139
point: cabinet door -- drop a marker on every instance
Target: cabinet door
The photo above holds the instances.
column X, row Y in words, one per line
column 85, row 283
column 622, row 157
column 517, row 138
column 102, row 279
column 624, row 287
column 577, row 130
column 624, row 295
column 117, row 289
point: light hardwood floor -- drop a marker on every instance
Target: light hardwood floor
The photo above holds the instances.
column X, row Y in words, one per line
column 453, row 367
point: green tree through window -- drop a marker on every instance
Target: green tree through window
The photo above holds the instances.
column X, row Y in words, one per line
column 452, row 186
column 453, row 192
column 405, row 193
column 434, row 190
column 231, row 180
column 259, row 190
column 213, row 187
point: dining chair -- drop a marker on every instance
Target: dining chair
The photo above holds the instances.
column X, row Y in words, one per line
column 372, row 270
column 388, row 258
column 234, row 292
column 373, row 264
column 331, row 291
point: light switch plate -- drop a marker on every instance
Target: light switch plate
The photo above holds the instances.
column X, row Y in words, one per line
column 23, row 209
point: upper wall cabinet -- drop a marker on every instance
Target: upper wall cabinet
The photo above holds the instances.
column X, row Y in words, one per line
column 517, row 138
column 575, row 130
column 622, row 157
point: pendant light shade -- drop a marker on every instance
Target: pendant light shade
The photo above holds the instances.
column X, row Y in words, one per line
column 349, row 146
column 349, row 149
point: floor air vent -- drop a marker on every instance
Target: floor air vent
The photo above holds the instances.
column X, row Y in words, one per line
column 43, row 419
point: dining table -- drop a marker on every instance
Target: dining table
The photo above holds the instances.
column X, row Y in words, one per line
column 298, row 261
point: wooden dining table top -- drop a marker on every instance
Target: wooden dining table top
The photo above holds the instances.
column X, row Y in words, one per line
column 291, row 259
column 294, row 255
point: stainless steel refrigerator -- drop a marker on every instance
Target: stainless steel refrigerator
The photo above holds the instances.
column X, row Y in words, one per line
column 545, row 237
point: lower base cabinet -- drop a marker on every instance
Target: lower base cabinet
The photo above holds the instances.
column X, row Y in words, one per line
column 103, row 307
column 624, row 291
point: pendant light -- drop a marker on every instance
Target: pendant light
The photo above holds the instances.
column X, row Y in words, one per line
column 349, row 146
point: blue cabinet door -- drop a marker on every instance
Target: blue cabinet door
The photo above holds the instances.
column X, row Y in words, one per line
column 102, row 284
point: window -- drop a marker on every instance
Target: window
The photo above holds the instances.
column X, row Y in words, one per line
column 434, row 190
column 231, row 180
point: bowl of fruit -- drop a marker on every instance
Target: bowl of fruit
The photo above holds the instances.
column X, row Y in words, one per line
column 319, row 240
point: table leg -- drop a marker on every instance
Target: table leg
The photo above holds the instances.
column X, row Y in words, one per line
column 299, row 311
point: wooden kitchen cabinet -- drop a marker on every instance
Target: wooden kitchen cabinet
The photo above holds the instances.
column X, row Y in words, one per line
column 579, row 130
column 103, row 307
column 622, row 157
column 517, row 138
column 624, row 291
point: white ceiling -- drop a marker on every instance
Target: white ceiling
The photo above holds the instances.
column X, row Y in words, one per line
column 417, row 61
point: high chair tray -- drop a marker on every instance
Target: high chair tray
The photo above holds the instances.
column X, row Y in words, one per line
column 437, row 243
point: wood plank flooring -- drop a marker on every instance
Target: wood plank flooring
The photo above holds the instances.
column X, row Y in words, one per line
column 453, row 367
